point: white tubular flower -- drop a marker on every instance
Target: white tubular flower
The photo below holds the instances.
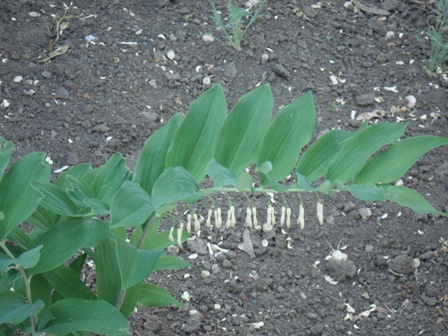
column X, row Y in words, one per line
column 255, row 221
column 320, row 212
column 301, row 217
column 179, row 236
column 189, row 223
column 282, row 217
column 232, row 217
column 272, row 216
column 288, row 218
column 209, row 218
column 229, row 219
column 269, row 216
column 218, row 219
column 249, row 218
column 197, row 225
column 170, row 236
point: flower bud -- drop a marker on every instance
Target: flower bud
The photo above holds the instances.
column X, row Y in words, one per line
column 218, row 219
column 170, row 236
column 189, row 223
column 229, row 219
column 301, row 217
column 209, row 218
column 255, row 221
column 282, row 217
column 288, row 218
column 269, row 216
column 197, row 225
column 320, row 212
column 179, row 236
column 232, row 216
column 249, row 218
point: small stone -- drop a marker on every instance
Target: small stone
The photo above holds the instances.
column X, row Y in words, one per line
column 197, row 246
column 46, row 74
column 310, row 12
column 226, row 263
column 17, row 79
column 153, row 83
column 151, row 116
column 215, row 268
column 62, row 92
column 205, row 274
column 341, row 269
column 170, row 54
column 231, row 70
column 365, row 99
column 158, row 56
column 72, row 158
column 402, row 264
column 280, row 70
column 193, row 323
column 102, row 128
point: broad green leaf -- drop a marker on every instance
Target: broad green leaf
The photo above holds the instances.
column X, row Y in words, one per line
column 18, row 236
column 155, row 296
column 67, row 237
column 408, row 198
column 108, row 281
column 95, row 316
column 135, row 265
column 77, row 172
column 14, row 309
column 41, row 289
column 131, row 299
column 237, row 143
column 6, row 148
column 395, row 161
column 106, row 179
column 57, row 200
column 166, row 262
column 354, row 153
column 43, row 218
column 18, row 199
column 67, row 283
column 245, row 182
column 175, row 184
column 191, row 146
column 291, row 129
column 131, row 206
column 314, row 162
column 151, row 162
column 27, row 259
column 368, row 192
column 220, row 175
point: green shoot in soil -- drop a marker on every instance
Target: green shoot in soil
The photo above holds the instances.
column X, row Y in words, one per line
column 235, row 28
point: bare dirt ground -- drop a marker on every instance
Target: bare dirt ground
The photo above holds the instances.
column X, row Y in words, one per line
column 115, row 84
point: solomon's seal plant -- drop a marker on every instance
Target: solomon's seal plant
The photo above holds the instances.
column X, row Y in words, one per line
column 92, row 237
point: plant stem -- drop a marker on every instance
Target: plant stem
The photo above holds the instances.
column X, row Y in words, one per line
column 148, row 227
column 27, row 282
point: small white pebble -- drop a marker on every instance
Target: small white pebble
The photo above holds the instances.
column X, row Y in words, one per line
column 170, row 54
column 186, row 296
column 17, row 79
column 205, row 274
column 206, row 81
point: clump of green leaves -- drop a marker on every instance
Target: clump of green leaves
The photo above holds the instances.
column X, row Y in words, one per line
column 238, row 22
column 105, row 221
column 437, row 51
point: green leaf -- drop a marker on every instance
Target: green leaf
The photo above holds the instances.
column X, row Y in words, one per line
column 14, row 309
column 175, row 184
column 191, row 146
column 66, row 282
column 245, row 182
column 6, row 148
column 77, row 172
column 291, row 129
column 135, row 265
column 166, row 262
column 155, row 296
column 131, row 206
column 314, row 162
column 220, row 175
column 106, row 179
column 151, row 162
column 392, row 164
column 67, row 237
column 368, row 192
column 18, row 199
column 408, row 198
column 354, row 153
column 27, row 259
column 237, row 143
column 43, row 218
column 108, row 281
column 41, row 289
column 97, row 316
column 57, row 200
